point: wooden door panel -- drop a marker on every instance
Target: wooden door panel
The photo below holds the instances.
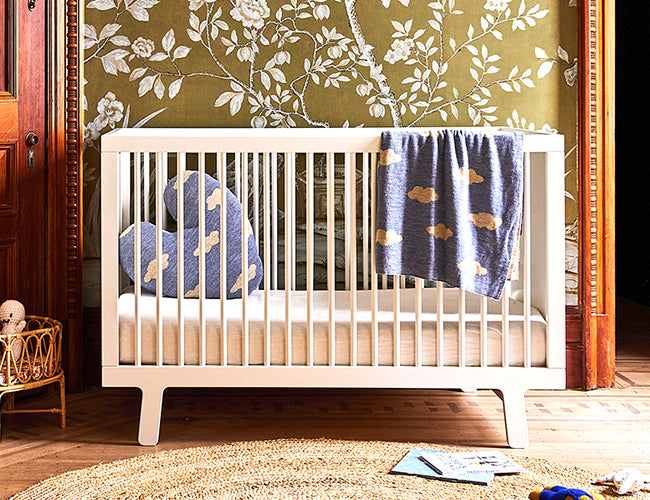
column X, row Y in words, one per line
column 8, row 198
column 8, row 270
column 8, row 123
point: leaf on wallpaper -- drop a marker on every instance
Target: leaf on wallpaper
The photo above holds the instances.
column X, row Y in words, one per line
column 159, row 87
column 142, row 122
column 146, row 84
column 101, row 5
column 175, row 87
column 181, row 51
column 137, row 73
column 545, row 68
column 169, row 40
column 114, row 62
column 138, row 9
column 127, row 115
column 109, row 30
column 121, row 41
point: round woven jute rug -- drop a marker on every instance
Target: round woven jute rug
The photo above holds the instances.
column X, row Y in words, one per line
column 292, row 469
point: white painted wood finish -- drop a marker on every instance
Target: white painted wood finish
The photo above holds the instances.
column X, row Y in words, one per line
column 299, row 150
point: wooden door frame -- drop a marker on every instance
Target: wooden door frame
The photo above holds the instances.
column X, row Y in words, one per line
column 590, row 325
column 64, row 184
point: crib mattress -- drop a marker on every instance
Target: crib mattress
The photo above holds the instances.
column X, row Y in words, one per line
column 299, row 329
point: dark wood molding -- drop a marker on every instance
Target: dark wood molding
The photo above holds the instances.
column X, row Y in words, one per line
column 596, row 190
column 64, row 247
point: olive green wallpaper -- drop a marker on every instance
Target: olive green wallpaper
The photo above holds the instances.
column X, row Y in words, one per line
column 326, row 63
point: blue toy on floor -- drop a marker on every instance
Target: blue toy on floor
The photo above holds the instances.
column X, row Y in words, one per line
column 562, row 493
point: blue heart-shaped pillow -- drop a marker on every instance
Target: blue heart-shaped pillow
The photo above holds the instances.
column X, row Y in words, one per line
column 213, row 198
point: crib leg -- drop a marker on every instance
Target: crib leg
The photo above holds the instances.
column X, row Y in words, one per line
column 150, row 415
column 514, row 410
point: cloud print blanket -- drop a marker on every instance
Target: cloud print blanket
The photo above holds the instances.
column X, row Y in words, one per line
column 449, row 206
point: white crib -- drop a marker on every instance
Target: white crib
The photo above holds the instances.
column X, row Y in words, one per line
column 322, row 317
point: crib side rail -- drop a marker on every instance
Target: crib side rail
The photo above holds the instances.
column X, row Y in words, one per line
column 111, row 206
column 542, row 283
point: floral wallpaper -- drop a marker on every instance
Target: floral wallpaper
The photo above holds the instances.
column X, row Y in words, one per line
column 326, row 63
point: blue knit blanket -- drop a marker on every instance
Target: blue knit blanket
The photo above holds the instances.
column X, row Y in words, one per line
column 449, row 206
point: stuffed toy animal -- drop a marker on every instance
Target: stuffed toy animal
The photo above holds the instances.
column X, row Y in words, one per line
column 12, row 317
column 629, row 480
column 12, row 321
column 562, row 493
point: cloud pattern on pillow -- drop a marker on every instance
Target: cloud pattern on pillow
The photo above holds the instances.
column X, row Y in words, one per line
column 213, row 240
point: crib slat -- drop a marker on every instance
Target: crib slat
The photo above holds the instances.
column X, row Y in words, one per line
column 267, row 260
column 161, row 181
column 180, row 240
column 292, row 183
column 137, row 259
column 146, row 163
column 245, row 225
column 202, row 319
column 331, row 269
column 310, row 259
column 484, row 331
column 373, row 264
column 505, row 325
column 462, row 329
column 364, row 211
column 223, row 264
column 274, row 218
column 346, row 222
column 418, row 321
column 256, row 195
column 396, row 321
column 351, row 238
column 288, row 254
column 440, row 323
column 237, row 167
column 526, row 253
column 124, row 196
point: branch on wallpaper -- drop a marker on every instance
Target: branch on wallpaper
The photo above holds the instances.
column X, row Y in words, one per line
column 375, row 68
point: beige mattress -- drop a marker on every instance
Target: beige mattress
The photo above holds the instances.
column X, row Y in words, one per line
column 299, row 330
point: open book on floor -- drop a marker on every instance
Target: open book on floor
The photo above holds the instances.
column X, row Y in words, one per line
column 412, row 464
column 471, row 462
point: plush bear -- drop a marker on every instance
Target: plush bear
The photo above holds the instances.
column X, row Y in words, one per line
column 214, row 196
column 12, row 321
column 562, row 493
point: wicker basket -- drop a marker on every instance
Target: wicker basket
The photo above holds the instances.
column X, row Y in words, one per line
column 33, row 354
column 30, row 359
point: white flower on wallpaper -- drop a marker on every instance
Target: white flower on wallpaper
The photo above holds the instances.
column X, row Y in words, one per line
column 143, row 47
column 251, row 13
column 498, row 5
column 400, row 50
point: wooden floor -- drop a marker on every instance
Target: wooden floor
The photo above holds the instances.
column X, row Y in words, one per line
column 603, row 430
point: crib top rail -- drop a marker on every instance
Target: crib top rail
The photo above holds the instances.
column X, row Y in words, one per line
column 303, row 140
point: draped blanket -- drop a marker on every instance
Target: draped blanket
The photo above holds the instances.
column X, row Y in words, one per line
column 449, row 206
